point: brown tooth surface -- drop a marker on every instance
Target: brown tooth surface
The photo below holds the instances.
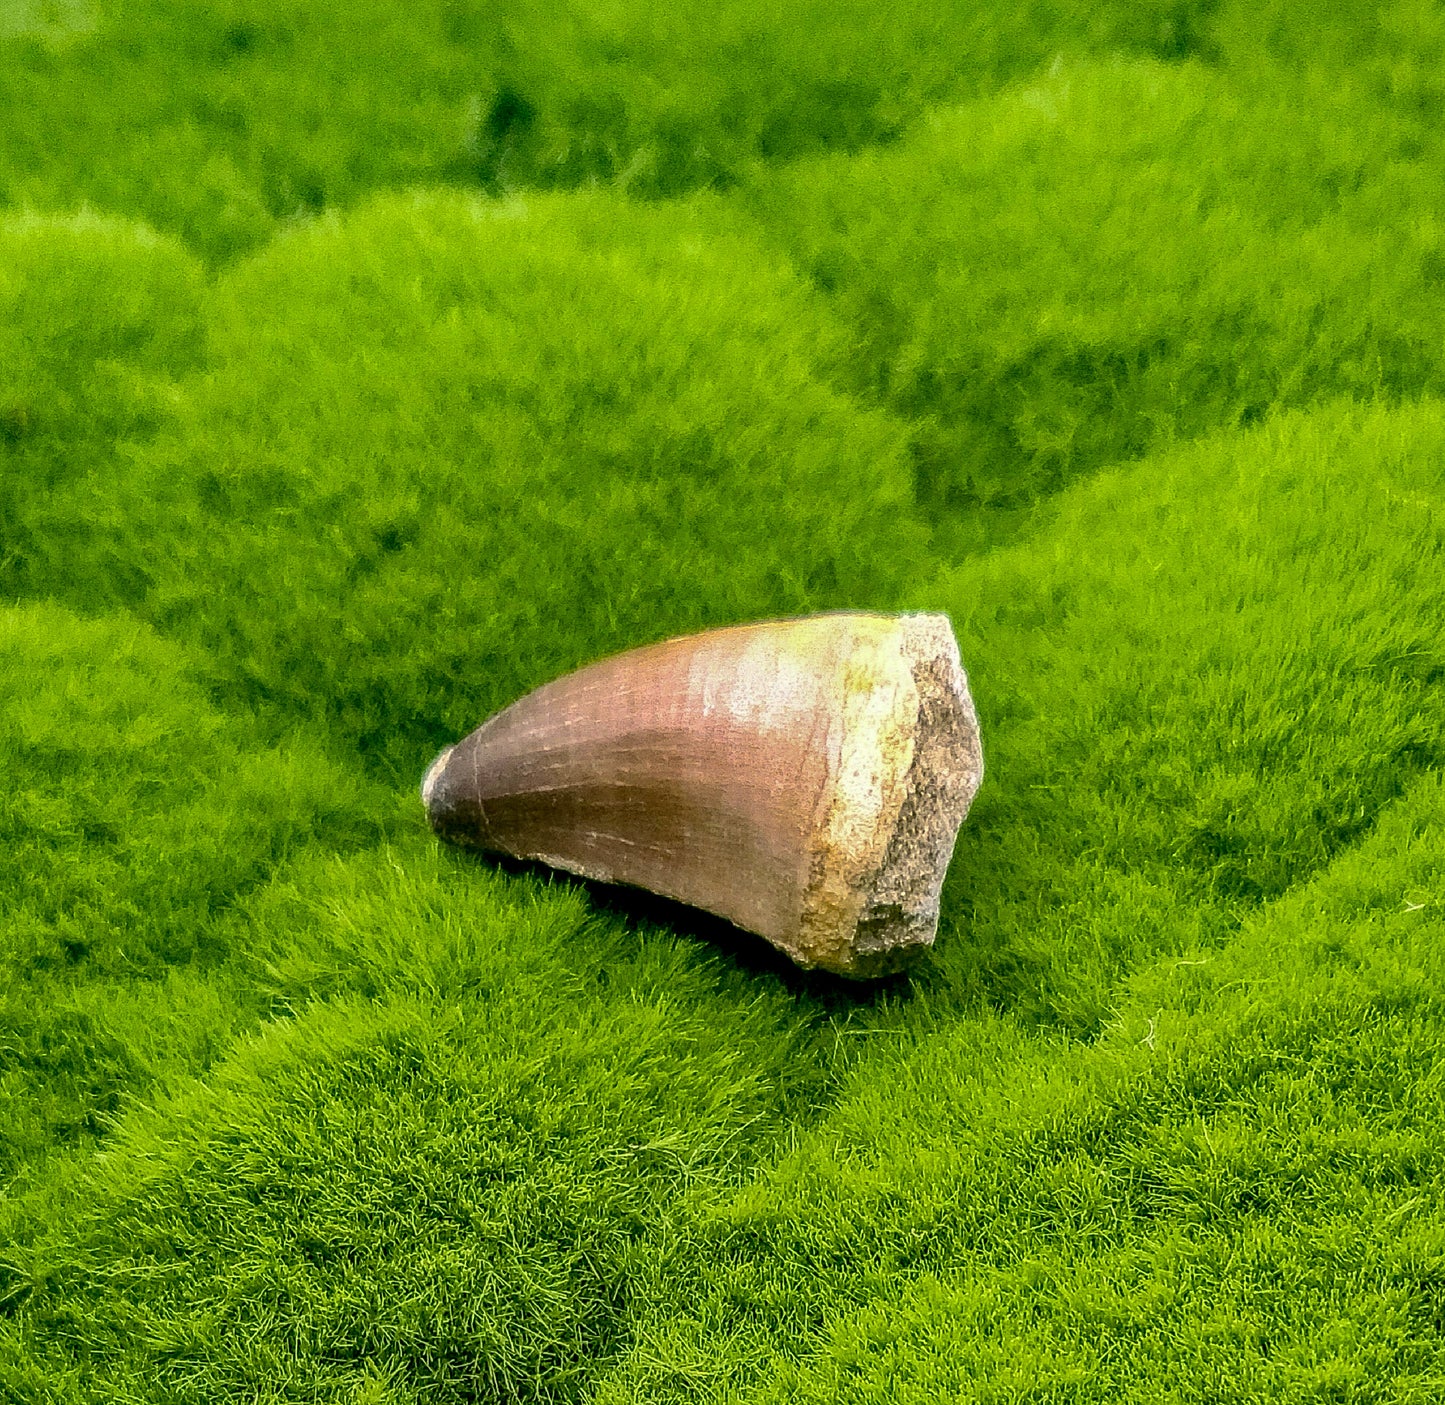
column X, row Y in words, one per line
column 804, row 779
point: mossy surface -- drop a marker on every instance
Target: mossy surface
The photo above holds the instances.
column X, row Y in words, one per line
column 1112, row 258
column 444, row 448
column 135, row 818
column 219, row 123
column 363, row 368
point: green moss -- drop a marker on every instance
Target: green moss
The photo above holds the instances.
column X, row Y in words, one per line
column 1130, row 366
column 1385, row 55
column 1199, row 683
column 92, row 306
column 1189, row 919
column 445, row 1169
column 448, row 448
column 1117, row 257
column 97, row 317
column 220, row 122
column 1233, row 1194
column 54, row 22
column 1221, row 643
column 133, row 818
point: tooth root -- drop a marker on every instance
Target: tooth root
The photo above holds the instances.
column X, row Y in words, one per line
column 804, row 779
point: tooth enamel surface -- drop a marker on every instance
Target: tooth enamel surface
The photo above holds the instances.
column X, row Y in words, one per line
column 804, row 779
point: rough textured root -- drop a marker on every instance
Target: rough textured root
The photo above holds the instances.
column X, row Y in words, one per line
column 900, row 913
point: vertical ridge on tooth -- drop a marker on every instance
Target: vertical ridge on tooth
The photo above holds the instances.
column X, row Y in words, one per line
column 804, row 779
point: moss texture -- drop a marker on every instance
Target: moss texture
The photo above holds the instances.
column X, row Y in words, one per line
column 362, row 367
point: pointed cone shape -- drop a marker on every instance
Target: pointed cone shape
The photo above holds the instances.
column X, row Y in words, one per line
column 804, row 779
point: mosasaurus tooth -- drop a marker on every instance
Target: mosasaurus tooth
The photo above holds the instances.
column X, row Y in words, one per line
column 804, row 779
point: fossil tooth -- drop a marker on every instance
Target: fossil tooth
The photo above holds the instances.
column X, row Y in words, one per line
column 804, row 779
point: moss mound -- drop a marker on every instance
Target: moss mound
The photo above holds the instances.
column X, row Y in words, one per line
column 220, row 123
column 135, row 817
column 1111, row 259
column 445, row 449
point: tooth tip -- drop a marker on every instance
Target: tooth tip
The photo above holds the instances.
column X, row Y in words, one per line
column 433, row 773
